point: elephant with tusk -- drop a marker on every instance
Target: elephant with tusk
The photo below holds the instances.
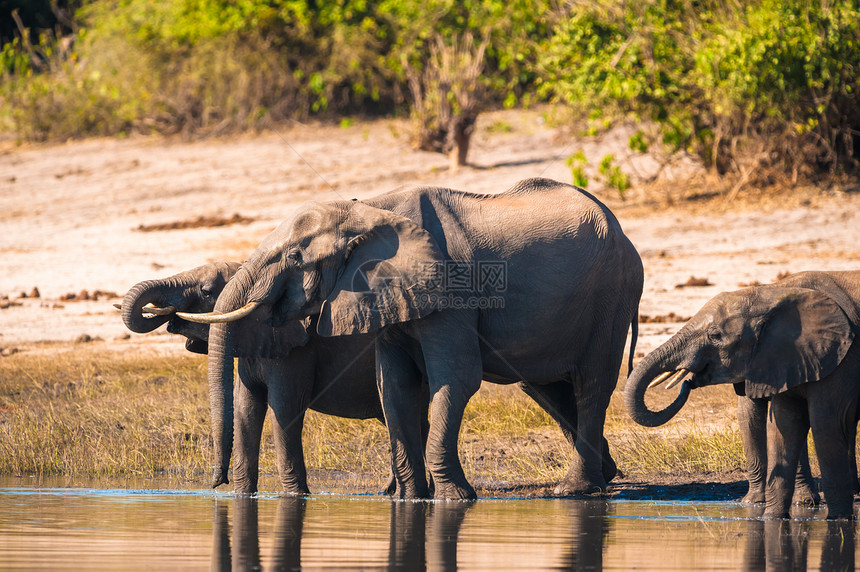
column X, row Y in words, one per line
column 288, row 369
column 537, row 284
column 793, row 343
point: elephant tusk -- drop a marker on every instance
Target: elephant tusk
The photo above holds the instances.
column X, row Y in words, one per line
column 150, row 309
column 214, row 318
column 156, row 311
column 660, row 379
column 676, row 379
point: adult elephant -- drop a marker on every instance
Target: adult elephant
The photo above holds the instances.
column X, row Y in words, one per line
column 289, row 368
column 792, row 342
column 536, row 284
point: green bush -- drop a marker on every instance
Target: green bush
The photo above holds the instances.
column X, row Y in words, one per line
column 763, row 83
column 213, row 66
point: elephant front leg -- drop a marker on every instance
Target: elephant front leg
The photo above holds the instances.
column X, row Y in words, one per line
column 399, row 385
column 443, row 460
column 250, row 412
column 787, row 428
column 752, row 421
column 452, row 358
column 290, row 453
column 289, row 383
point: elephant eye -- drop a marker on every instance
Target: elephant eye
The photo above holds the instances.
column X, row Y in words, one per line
column 715, row 336
column 295, row 255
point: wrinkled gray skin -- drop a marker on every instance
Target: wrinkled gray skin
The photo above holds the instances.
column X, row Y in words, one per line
column 331, row 375
column 571, row 293
column 793, row 342
column 752, row 421
column 286, row 368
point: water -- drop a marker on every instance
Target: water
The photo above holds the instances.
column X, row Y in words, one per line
column 161, row 529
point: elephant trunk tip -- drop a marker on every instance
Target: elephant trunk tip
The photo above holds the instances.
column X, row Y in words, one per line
column 648, row 377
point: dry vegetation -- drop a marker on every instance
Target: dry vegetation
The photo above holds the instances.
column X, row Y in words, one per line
column 91, row 414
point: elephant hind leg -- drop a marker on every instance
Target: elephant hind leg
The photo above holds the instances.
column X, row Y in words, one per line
column 558, row 401
column 833, row 431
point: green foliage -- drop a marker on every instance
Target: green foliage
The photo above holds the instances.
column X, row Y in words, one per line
column 614, row 177
column 577, row 162
column 771, row 79
column 214, row 66
column 638, row 143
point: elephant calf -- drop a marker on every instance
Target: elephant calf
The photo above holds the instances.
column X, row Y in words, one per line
column 286, row 368
column 792, row 342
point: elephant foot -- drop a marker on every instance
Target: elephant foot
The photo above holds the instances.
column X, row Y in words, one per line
column 573, row 487
column 451, row 491
column 219, row 477
column 775, row 515
column 753, row 496
column 806, row 497
column 295, row 489
column 610, row 469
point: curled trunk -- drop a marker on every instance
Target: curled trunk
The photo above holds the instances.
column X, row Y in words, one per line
column 156, row 292
column 648, row 369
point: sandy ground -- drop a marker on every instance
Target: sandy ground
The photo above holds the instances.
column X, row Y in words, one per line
column 73, row 216
column 101, row 215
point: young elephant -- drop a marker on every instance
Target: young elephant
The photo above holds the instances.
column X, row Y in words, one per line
column 793, row 342
column 286, row 368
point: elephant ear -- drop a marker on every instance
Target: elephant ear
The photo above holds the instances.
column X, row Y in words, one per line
column 390, row 274
column 802, row 338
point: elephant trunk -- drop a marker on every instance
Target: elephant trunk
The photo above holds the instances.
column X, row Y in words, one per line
column 221, row 399
column 222, row 351
column 157, row 292
column 652, row 366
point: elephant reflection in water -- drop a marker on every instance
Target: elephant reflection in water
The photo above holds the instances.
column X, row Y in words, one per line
column 784, row 544
column 421, row 535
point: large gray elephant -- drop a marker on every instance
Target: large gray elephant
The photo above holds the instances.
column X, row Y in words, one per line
column 536, row 284
column 792, row 342
column 289, row 368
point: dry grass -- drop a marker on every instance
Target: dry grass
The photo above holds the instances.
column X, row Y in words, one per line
column 86, row 414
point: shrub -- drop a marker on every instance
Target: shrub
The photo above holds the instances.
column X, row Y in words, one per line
column 764, row 83
column 213, row 66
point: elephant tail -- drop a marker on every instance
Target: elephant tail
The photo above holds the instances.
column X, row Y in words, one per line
column 634, row 335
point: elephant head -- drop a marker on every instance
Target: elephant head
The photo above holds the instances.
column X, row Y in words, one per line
column 356, row 267
column 151, row 303
column 769, row 339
